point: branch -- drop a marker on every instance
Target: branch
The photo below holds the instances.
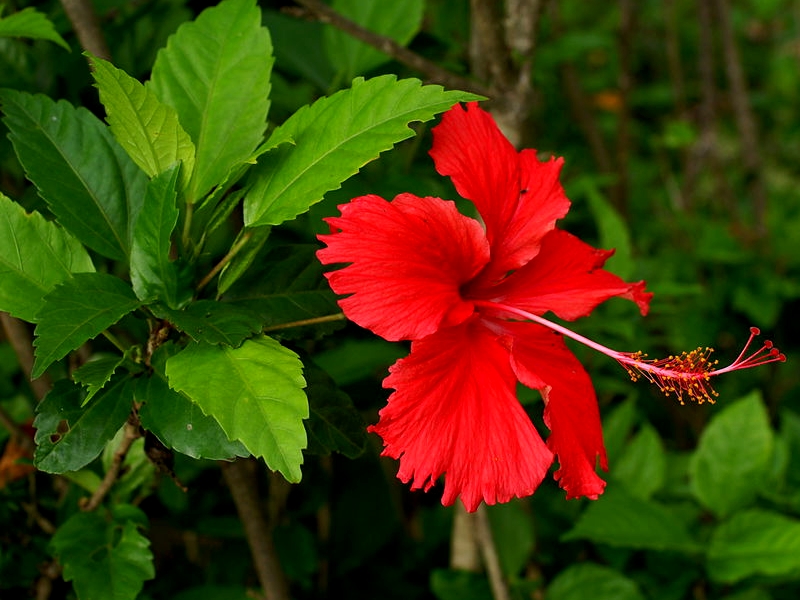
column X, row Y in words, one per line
column 463, row 543
column 305, row 322
column 491, row 560
column 130, row 435
column 432, row 71
column 745, row 120
column 87, row 27
column 21, row 341
column 240, row 476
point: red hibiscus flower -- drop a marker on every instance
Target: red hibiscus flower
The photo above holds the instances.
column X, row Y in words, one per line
column 470, row 297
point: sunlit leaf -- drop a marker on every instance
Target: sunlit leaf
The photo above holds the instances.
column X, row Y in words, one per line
column 255, row 392
column 215, row 72
column 146, row 128
column 177, row 421
column 334, row 138
column 35, row 255
column 95, row 194
column 77, row 310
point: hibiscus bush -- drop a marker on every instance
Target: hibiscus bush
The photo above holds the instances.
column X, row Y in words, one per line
column 292, row 308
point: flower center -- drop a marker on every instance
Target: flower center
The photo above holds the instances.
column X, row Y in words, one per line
column 687, row 375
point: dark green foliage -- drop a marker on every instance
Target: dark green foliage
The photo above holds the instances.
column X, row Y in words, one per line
column 158, row 216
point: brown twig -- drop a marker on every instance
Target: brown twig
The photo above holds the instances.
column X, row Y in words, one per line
column 306, row 322
column 491, row 560
column 130, row 435
column 432, row 71
column 745, row 120
column 87, row 27
column 21, row 341
column 240, row 476
column 464, row 554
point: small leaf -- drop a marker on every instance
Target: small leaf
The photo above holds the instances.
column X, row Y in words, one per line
column 733, row 456
column 70, row 436
column 399, row 21
column 177, row 421
column 153, row 275
column 148, row 130
column 95, row 373
column 612, row 228
column 618, row 518
column 95, row 195
column 30, row 23
column 255, row 392
column 334, row 424
column 215, row 322
column 77, row 310
column 215, row 72
column 35, row 255
column 335, row 137
column 643, row 466
column 588, row 580
column 754, row 542
column 104, row 558
column 287, row 286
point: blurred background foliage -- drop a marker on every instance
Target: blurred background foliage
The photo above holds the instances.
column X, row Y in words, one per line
column 680, row 126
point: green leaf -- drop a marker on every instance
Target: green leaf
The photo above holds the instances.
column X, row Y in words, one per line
column 215, row 322
column 355, row 360
column 733, row 456
column 215, row 72
column 70, row 436
column 334, row 138
column 30, row 23
column 94, row 194
column 177, row 421
column 287, row 286
column 399, row 21
column 612, row 229
column 104, row 557
column 643, row 466
column 513, row 533
column 35, row 255
column 153, row 275
column 95, row 373
column 255, row 392
column 617, row 426
column 334, row 424
column 146, row 128
column 77, row 310
column 588, row 580
column 257, row 237
column 450, row 584
column 754, row 542
column 618, row 518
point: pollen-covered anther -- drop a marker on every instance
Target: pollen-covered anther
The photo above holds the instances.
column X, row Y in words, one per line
column 689, row 374
column 684, row 375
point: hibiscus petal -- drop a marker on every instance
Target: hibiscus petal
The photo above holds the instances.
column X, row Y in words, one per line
column 566, row 277
column 542, row 202
column 483, row 165
column 455, row 413
column 409, row 259
column 542, row 361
